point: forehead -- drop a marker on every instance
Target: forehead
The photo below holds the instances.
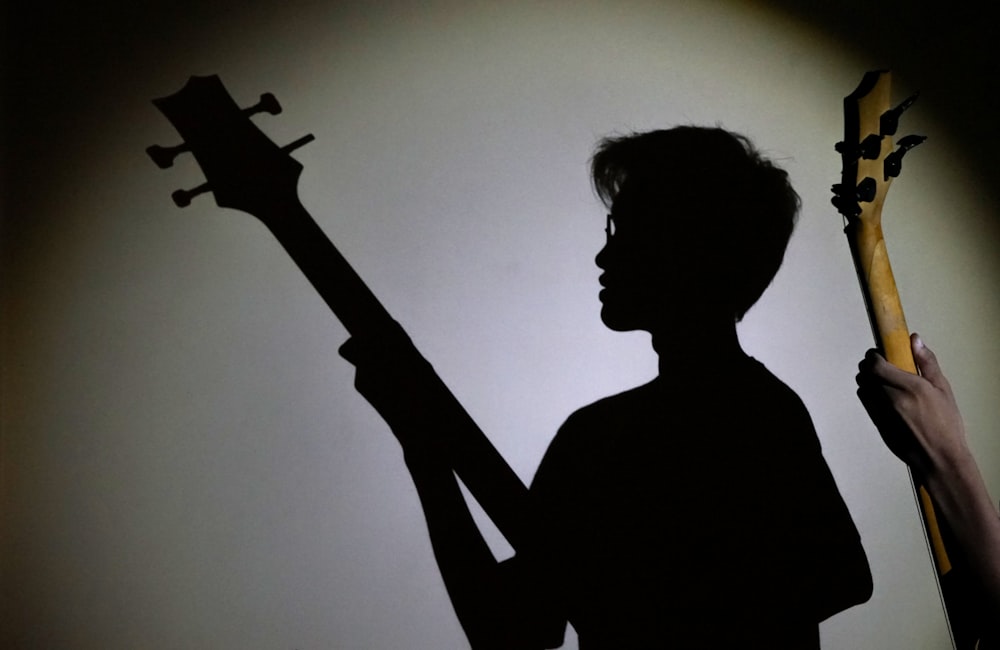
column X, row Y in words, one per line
column 640, row 201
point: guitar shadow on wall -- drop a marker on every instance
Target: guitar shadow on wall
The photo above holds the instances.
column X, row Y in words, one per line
column 695, row 508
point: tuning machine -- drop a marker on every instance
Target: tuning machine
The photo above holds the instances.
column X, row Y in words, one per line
column 869, row 148
column 848, row 200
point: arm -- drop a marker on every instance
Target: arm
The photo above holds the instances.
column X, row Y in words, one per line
column 919, row 421
column 491, row 600
column 840, row 570
column 829, row 560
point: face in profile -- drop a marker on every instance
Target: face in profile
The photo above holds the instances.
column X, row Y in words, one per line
column 657, row 269
column 628, row 296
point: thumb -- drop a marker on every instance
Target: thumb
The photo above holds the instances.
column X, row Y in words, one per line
column 927, row 362
column 349, row 351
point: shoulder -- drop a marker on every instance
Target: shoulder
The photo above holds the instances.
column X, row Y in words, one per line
column 610, row 415
column 589, row 432
column 610, row 408
column 770, row 398
column 767, row 382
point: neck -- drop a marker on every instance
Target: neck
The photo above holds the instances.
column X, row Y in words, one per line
column 697, row 348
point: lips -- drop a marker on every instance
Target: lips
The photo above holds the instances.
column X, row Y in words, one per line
column 603, row 281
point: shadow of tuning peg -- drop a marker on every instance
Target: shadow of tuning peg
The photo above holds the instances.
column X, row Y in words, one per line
column 888, row 122
column 164, row 156
column 182, row 198
column 267, row 104
column 894, row 161
column 301, row 142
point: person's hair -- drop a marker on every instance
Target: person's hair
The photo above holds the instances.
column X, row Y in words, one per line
column 715, row 185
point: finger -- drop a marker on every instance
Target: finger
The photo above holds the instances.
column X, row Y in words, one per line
column 868, row 399
column 879, row 410
column 868, row 359
column 894, row 432
column 865, row 379
column 349, row 351
column 927, row 362
column 872, row 389
column 888, row 373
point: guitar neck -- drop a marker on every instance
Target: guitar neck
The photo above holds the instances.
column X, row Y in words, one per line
column 343, row 290
column 885, row 313
column 246, row 171
column 878, row 287
column 496, row 487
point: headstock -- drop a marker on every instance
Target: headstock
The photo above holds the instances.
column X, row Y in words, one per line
column 243, row 168
column 870, row 161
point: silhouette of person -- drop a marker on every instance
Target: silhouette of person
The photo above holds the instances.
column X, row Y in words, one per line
column 696, row 509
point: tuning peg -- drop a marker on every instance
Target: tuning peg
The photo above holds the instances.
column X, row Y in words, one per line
column 847, row 200
column 183, row 197
column 869, row 148
column 845, row 203
column 865, row 191
column 888, row 122
column 164, row 156
column 301, row 142
column 267, row 104
column 894, row 161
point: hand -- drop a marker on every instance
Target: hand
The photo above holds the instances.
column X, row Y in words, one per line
column 394, row 378
column 916, row 414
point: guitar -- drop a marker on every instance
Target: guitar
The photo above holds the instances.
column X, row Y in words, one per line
column 870, row 162
column 247, row 171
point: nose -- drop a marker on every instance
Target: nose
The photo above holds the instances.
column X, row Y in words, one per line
column 611, row 254
column 602, row 257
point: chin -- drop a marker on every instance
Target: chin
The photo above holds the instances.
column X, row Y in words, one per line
column 618, row 321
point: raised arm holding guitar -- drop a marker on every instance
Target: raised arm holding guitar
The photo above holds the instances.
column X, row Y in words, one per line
column 919, row 420
column 246, row 171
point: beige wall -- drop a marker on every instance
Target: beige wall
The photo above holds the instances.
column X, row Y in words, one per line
column 185, row 463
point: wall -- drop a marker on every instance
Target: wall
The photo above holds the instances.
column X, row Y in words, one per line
column 185, row 463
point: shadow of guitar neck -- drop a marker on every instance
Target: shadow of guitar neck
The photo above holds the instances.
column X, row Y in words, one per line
column 500, row 492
